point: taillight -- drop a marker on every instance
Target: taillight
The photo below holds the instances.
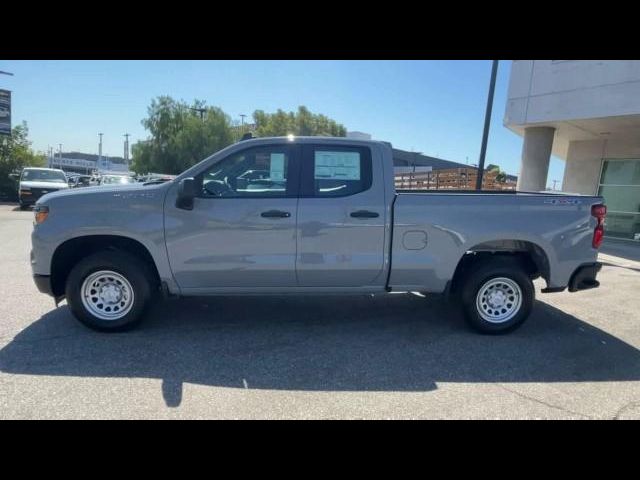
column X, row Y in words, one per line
column 600, row 212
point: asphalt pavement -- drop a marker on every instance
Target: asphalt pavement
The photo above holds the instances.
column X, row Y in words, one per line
column 394, row 356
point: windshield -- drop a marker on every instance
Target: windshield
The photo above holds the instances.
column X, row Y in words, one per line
column 51, row 176
column 114, row 179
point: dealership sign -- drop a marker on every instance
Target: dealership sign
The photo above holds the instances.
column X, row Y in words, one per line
column 5, row 112
column 72, row 162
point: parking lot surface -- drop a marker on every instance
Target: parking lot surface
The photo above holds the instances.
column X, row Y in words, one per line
column 395, row 356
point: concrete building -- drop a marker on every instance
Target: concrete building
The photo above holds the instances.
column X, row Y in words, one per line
column 586, row 112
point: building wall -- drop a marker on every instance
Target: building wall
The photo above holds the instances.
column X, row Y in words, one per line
column 584, row 162
column 557, row 90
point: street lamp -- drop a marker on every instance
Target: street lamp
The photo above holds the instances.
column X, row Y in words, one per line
column 100, row 150
column 126, row 149
column 201, row 110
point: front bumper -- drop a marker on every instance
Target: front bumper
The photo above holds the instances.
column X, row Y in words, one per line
column 27, row 200
column 584, row 277
column 35, row 194
column 43, row 283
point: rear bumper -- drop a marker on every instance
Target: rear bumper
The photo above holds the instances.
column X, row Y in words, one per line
column 584, row 277
column 43, row 284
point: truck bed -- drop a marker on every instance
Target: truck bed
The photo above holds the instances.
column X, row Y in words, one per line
column 432, row 230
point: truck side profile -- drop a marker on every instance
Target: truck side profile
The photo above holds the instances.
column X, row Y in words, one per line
column 308, row 215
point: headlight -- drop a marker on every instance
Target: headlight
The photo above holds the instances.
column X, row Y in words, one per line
column 41, row 212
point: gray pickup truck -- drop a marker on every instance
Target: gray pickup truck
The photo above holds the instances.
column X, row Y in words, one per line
column 308, row 215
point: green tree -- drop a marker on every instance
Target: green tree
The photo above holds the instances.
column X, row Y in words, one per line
column 15, row 154
column 501, row 176
column 302, row 122
column 180, row 136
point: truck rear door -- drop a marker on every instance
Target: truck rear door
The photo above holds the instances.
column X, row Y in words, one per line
column 341, row 217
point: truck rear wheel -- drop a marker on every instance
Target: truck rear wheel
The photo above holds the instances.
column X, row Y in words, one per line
column 497, row 295
column 108, row 291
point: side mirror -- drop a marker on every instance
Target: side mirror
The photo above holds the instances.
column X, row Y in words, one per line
column 186, row 193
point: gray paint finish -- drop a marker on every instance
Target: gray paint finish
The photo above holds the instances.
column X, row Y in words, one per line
column 224, row 246
column 224, row 242
column 456, row 223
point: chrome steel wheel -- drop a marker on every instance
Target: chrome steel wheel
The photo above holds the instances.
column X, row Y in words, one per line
column 107, row 295
column 499, row 300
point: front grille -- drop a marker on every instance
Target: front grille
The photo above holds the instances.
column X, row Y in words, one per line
column 38, row 192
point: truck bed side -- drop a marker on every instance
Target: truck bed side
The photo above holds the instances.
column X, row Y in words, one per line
column 432, row 232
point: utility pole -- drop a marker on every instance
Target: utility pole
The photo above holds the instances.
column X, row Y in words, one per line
column 100, row 151
column 242, row 115
column 554, row 184
column 59, row 155
column 487, row 123
column 126, row 150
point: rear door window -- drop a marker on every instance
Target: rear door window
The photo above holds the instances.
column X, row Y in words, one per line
column 336, row 171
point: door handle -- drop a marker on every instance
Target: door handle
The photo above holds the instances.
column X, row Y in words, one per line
column 364, row 214
column 275, row 214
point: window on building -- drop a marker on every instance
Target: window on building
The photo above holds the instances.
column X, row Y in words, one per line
column 620, row 187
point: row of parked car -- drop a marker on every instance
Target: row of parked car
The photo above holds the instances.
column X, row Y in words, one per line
column 36, row 182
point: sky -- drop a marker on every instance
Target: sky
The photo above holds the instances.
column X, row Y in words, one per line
column 433, row 107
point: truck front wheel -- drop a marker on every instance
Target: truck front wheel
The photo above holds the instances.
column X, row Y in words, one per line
column 497, row 296
column 108, row 291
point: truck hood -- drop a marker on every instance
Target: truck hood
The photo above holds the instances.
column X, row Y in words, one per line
column 47, row 185
column 131, row 190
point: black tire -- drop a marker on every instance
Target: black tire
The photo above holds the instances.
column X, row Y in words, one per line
column 482, row 274
column 23, row 207
column 131, row 268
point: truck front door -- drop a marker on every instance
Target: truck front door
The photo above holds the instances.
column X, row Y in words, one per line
column 241, row 232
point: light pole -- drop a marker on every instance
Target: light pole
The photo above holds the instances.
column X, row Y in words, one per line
column 201, row 110
column 100, row 151
column 242, row 115
column 59, row 155
column 487, row 123
column 126, row 150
